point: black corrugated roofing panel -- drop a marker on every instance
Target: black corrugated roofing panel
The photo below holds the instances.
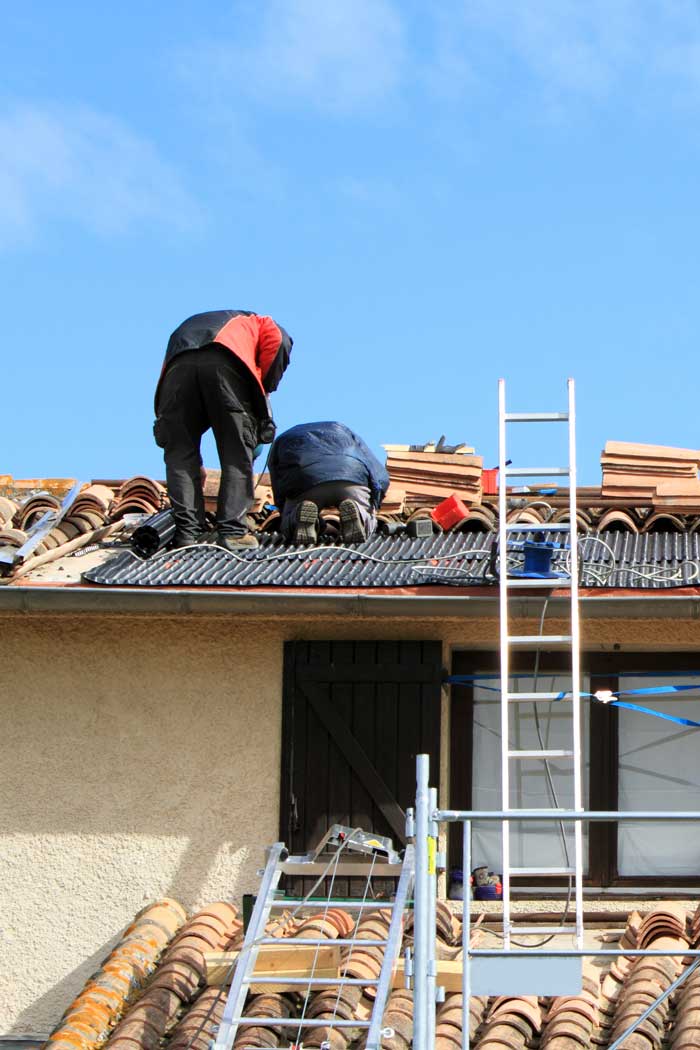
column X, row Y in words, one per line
column 609, row 559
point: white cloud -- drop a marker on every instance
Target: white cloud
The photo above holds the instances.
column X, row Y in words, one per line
column 586, row 47
column 337, row 55
column 73, row 163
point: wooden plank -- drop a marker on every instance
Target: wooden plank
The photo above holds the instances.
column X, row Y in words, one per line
column 286, row 986
column 449, row 974
column 426, row 460
column 219, row 965
column 318, row 767
column 294, row 752
column 289, row 961
column 340, row 779
column 631, row 448
column 359, row 761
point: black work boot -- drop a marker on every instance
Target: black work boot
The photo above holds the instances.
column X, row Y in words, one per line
column 184, row 539
column 351, row 527
column 306, row 528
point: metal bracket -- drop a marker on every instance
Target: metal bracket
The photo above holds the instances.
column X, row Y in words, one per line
column 408, row 970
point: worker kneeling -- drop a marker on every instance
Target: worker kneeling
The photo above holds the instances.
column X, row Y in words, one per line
column 317, row 465
column 219, row 368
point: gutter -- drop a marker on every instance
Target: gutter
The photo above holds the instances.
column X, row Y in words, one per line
column 280, row 603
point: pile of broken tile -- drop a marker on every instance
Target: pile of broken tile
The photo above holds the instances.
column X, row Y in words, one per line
column 96, row 513
column 151, row 991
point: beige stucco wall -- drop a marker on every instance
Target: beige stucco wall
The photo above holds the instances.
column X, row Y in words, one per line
column 140, row 756
column 137, row 758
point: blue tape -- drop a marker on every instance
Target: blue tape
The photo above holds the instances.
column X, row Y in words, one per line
column 657, row 690
column 656, row 714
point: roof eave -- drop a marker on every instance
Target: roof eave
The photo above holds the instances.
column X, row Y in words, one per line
column 280, row 603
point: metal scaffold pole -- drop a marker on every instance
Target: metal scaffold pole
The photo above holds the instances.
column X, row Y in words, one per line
column 422, row 931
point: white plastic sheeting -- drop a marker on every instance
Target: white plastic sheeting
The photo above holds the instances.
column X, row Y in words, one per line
column 659, row 769
column 534, row 844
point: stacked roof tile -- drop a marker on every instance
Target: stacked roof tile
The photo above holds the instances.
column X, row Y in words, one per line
column 151, row 991
column 422, row 477
column 666, row 476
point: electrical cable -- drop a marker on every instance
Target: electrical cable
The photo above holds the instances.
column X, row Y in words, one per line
column 420, row 564
column 318, row 948
column 306, row 551
column 279, row 925
column 348, row 959
column 550, row 783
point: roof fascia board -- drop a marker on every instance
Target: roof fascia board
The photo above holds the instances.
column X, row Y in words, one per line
column 275, row 604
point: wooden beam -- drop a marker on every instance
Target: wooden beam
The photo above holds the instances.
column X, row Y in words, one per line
column 287, row 961
column 299, row 962
column 449, row 974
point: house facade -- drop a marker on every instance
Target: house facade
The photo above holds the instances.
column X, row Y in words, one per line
column 156, row 739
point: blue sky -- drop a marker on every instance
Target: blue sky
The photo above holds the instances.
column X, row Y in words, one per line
column 428, row 195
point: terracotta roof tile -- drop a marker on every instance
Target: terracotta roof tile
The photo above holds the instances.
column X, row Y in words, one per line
column 177, row 1005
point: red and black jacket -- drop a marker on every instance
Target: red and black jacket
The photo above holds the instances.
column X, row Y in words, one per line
column 258, row 342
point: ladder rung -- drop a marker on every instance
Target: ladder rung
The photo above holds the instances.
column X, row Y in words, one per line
column 297, row 1022
column 343, row 942
column 282, row 979
column 524, row 872
column 551, row 753
column 285, row 902
column 532, row 583
column 521, row 698
column 516, row 930
column 537, row 641
column 546, row 526
column 537, row 417
column 537, row 472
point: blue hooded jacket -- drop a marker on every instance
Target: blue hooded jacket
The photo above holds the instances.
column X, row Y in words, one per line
column 312, row 453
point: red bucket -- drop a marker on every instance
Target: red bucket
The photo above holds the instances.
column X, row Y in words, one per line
column 450, row 512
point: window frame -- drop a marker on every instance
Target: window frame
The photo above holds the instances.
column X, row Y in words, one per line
column 603, row 746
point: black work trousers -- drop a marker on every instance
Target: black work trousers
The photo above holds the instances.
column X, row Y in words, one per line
column 207, row 388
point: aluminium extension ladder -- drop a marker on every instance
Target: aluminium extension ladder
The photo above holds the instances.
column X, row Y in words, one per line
column 568, row 642
column 369, row 856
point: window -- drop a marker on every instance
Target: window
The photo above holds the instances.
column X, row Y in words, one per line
column 533, row 844
column 632, row 761
column 658, row 769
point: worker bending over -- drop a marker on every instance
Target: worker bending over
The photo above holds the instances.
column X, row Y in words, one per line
column 317, row 465
column 219, row 368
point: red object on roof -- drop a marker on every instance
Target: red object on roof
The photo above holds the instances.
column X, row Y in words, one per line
column 450, row 512
column 489, row 482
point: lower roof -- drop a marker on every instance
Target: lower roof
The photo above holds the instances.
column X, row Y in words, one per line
column 610, row 561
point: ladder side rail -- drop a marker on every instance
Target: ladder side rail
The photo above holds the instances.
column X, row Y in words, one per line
column 391, row 952
column 503, row 620
column 235, row 1001
column 576, row 666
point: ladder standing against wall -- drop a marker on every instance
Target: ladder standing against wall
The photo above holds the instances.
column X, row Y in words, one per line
column 531, row 643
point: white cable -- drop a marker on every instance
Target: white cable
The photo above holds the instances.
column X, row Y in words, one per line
column 304, row 552
column 421, row 563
